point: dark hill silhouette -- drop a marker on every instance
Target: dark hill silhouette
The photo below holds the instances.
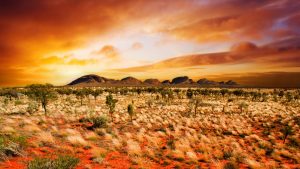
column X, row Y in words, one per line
column 152, row 82
column 95, row 80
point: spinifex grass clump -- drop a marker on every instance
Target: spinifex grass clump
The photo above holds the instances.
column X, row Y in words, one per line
column 61, row 162
column 97, row 122
column 11, row 146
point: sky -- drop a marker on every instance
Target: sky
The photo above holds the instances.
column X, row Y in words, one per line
column 253, row 42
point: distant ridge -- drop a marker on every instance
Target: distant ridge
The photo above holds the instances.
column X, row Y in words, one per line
column 95, row 80
column 91, row 80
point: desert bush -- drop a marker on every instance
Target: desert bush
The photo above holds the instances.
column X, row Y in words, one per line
column 289, row 97
column 9, row 93
column 231, row 165
column 11, row 146
column 286, row 131
column 150, row 102
column 189, row 93
column 32, row 107
column 281, row 93
column 41, row 93
column 79, row 95
column 194, row 104
column 61, row 162
column 238, row 92
column 5, row 101
column 130, row 111
column 264, row 97
column 64, row 91
column 171, row 142
column 96, row 93
column 97, row 122
column 18, row 102
column 224, row 92
column 111, row 103
column 230, row 100
column 294, row 142
column 243, row 106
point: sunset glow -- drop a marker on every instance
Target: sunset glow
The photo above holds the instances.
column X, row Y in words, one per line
column 58, row 41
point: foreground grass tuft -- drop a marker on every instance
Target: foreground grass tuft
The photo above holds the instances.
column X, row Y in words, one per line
column 11, row 146
column 97, row 122
column 62, row 162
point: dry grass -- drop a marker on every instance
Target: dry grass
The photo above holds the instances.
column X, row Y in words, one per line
column 165, row 133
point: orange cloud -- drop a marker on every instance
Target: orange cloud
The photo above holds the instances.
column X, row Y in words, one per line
column 67, row 60
column 82, row 62
column 109, row 52
column 243, row 47
column 280, row 54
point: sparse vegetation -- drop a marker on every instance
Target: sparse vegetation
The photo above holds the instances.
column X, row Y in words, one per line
column 130, row 111
column 286, row 131
column 208, row 127
column 111, row 103
column 97, row 122
column 11, row 146
column 61, row 162
column 41, row 93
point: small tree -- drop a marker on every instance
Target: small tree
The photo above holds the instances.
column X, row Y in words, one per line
column 197, row 103
column 111, row 103
column 287, row 130
column 79, row 94
column 9, row 93
column 289, row 97
column 194, row 104
column 239, row 92
column 224, row 92
column 42, row 93
column 87, row 92
column 189, row 93
column 243, row 106
column 96, row 93
column 130, row 111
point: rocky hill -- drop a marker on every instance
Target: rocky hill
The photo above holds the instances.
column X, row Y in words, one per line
column 182, row 80
column 130, row 81
column 95, row 80
column 152, row 82
column 91, row 80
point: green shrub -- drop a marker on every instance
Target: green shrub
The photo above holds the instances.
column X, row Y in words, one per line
column 43, row 93
column 243, row 106
column 62, row 162
column 97, row 122
column 130, row 111
column 32, row 107
column 111, row 103
column 11, row 146
column 294, row 142
column 18, row 102
column 230, row 165
column 189, row 93
column 286, row 131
